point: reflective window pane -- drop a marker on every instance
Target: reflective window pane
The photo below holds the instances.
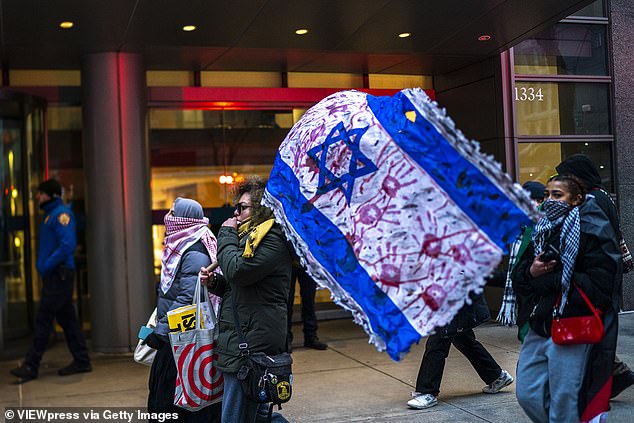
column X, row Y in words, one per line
column 593, row 10
column 537, row 161
column 564, row 49
column 202, row 154
column 549, row 108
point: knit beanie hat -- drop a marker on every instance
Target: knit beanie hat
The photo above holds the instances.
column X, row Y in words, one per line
column 535, row 188
column 582, row 167
column 51, row 187
column 186, row 207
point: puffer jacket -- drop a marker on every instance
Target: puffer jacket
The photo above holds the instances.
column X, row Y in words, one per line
column 260, row 285
column 181, row 293
column 597, row 263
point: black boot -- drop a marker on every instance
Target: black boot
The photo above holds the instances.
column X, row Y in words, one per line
column 24, row 372
column 75, row 367
column 315, row 343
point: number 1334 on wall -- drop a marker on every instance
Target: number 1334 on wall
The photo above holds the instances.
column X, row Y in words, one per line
column 528, row 94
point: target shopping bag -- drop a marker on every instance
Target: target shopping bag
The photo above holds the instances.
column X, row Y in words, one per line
column 198, row 383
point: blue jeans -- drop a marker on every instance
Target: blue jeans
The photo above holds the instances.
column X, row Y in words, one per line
column 236, row 407
column 549, row 377
column 263, row 414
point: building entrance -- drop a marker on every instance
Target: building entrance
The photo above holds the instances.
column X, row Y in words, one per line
column 22, row 168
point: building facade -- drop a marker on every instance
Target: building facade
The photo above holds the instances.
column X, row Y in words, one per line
column 125, row 140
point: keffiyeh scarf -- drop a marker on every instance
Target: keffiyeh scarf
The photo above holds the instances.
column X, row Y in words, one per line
column 180, row 234
column 560, row 213
column 508, row 311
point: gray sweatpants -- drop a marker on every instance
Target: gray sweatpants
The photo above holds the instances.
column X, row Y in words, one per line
column 549, row 378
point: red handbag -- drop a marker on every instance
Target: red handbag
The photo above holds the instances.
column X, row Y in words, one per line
column 577, row 330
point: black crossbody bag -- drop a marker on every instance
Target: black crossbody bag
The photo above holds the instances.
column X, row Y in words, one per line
column 264, row 378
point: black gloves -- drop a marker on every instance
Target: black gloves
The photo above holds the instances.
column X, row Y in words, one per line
column 155, row 341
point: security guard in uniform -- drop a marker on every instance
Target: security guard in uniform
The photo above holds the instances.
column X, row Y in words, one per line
column 56, row 264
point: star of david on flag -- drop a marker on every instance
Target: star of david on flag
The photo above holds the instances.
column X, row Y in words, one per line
column 393, row 210
column 358, row 163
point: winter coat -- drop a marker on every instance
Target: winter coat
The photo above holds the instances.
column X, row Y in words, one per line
column 57, row 238
column 597, row 267
column 181, row 293
column 597, row 263
column 260, row 285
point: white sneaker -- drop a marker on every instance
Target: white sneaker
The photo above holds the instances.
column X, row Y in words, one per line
column 420, row 401
column 496, row 386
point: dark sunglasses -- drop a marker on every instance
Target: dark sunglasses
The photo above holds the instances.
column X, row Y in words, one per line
column 242, row 206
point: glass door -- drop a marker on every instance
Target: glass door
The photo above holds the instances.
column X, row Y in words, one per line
column 22, row 168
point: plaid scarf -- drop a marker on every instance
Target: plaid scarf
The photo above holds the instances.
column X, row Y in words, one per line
column 508, row 311
column 180, row 234
column 560, row 213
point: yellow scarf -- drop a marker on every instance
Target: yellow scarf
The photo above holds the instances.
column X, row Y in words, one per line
column 254, row 235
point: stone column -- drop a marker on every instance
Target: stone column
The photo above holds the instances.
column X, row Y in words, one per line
column 622, row 28
column 118, row 203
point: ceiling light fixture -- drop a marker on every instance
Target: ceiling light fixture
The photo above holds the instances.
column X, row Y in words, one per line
column 484, row 37
column 301, row 31
column 189, row 28
column 66, row 25
column 404, row 34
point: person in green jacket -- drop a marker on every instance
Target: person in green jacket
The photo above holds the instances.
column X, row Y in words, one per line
column 256, row 276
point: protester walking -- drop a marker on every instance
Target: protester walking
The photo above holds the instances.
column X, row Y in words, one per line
column 582, row 167
column 255, row 260
column 56, row 265
column 515, row 308
column 459, row 333
column 572, row 253
column 189, row 245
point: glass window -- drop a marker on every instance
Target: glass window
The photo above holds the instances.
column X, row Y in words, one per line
column 537, row 161
column 201, row 154
column 564, row 108
column 564, row 49
column 593, row 10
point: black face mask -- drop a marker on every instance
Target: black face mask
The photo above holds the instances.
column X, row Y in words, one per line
column 555, row 209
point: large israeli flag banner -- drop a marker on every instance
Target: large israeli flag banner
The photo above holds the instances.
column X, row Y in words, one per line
column 393, row 210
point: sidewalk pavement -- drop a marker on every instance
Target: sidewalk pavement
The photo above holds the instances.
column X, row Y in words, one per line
column 349, row 382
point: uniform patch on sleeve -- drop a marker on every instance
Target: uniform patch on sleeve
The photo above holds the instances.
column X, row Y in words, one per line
column 63, row 219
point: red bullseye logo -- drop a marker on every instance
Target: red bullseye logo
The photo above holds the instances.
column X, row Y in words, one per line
column 198, row 381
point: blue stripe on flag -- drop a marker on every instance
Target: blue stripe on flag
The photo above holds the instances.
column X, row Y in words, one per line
column 468, row 187
column 332, row 250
